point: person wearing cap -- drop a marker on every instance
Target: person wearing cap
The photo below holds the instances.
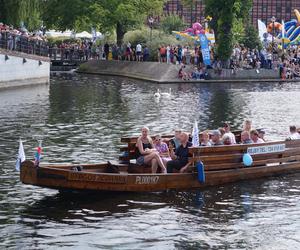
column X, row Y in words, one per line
column 228, row 133
column 245, row 138
column 294, row 135
column 180, row 159
column 215, row 138
column 254, row 136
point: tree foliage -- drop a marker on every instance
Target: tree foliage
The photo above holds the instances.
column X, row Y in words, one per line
column 118, row 15
column 14, row 12
column 172, row 23
column 226, row 14
column 251, row 39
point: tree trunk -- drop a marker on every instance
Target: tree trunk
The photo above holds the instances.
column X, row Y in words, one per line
column 120, row 34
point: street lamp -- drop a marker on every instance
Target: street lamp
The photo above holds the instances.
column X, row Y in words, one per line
column 273, row 19
column 151, row 22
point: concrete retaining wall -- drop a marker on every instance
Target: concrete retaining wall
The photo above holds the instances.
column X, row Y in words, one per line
column 165, row 73
column 16, row 72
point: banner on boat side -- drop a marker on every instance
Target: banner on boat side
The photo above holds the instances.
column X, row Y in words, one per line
column 269, row 149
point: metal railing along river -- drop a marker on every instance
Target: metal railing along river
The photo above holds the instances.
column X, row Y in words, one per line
column 29, row 45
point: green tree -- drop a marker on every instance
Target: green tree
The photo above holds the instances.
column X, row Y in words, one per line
column 76, row 15
column 118, row 15
column 225, row 13
column 251, row 39
column 13, row 12
column 172, row 23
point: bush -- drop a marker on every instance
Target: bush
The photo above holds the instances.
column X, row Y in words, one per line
column 172, row 23
column 159, row 38
column 60, row 40
column 251, row 39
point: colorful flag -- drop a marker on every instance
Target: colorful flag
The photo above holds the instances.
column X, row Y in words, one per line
column 195, row 140
column 21, row 156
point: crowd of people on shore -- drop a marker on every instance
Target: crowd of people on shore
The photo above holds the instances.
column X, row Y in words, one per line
column 242, row 58
column 172, row 155
column 22, row 40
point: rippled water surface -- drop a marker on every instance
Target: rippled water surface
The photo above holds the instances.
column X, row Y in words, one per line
column 81, row 119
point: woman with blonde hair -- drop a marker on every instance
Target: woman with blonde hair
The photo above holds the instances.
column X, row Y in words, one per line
column 146, row 154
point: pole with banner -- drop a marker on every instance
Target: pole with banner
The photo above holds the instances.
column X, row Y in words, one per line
column 205, row 49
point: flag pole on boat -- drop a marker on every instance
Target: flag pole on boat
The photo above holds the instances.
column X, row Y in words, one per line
column 196, row 143
column 21, row 156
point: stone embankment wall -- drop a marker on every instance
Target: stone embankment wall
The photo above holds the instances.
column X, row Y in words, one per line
column 19, row 69
column 165, row 73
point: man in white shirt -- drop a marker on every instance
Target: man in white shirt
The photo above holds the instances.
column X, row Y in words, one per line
column 255, row 137
column 294, row 135
column 138, row 51
column 228, row 133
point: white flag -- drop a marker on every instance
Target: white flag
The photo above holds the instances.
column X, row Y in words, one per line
column 262, row 29
column 195, row 140
column 21, row 156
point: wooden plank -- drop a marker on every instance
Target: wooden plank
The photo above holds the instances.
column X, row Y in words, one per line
column 237, row 147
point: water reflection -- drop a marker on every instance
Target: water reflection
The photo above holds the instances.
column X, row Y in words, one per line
column 81, row 119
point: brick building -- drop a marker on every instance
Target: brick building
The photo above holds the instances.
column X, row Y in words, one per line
column 261, row 9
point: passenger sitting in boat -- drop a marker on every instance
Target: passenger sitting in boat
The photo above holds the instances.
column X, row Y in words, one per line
column 175, row 141
column 216, row 138
column 247, row 126
column 294, row 135
column 162, row 149
column 222, row 131
column 245, row 138
column 261, row 134
column 254, row 137
column 147, row 154
column 229, row 133
column 226, row 140
column 205, row 139
column 181, row 156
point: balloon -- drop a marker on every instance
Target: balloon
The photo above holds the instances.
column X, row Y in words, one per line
column 198, row 32
column 189, row 30
column 197, row 26
column 202, row 32
column 247, row 160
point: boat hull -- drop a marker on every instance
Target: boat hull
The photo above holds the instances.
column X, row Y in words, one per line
column 64, row 177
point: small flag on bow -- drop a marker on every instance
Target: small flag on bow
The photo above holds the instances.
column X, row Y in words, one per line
column 21, row 156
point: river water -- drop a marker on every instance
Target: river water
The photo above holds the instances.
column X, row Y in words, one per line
column 81, row 118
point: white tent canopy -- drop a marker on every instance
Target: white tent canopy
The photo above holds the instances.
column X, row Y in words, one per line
column 69, row 34
column 84, row 34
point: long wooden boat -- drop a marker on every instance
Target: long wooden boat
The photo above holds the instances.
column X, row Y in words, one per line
column 222, row 164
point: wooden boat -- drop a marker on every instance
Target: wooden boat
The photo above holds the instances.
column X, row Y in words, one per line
column 222, row 164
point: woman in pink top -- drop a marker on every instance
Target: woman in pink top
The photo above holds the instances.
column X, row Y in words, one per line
column 162, row 149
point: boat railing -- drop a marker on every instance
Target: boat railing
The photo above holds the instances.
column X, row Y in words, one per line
column 231, row 157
